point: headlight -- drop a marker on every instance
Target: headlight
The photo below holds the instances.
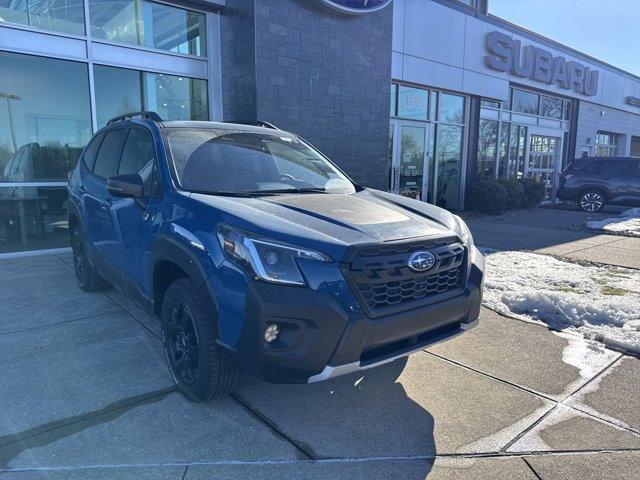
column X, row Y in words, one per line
column 463, row 232
column 265, row 259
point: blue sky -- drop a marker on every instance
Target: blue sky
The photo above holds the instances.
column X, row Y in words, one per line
column 607, row 30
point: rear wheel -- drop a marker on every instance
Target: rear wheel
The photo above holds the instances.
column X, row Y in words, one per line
column 591, row 201
column 200, row 368
column 88, row 279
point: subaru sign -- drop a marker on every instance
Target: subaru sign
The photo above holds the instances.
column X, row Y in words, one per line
column 535, row 63
column 356, row 6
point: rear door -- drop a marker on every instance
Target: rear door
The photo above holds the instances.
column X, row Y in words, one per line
column 619, row 175
column 102, row 237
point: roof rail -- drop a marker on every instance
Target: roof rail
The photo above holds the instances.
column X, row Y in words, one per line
column 255, row 123
column 128, row 116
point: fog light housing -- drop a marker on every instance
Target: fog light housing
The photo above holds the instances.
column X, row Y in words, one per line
column 272, row 333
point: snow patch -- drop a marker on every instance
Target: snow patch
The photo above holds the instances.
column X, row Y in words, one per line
column 600, row 303
column 496, row 441
column 628, row 223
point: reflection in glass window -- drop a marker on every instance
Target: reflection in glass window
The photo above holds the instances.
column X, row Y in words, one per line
column 635, row 146
column 120, row 91
column 551, row 107
column 449, row 166
column 60, row 15
column 607, row 144
column 487, row 147
column 485, row 102
column 524, row 102
column 45, row 118
column 413, row 103
column 149, row 24
column 394, row 97
column 176, row 98
column 451, row 108
column 503, row 151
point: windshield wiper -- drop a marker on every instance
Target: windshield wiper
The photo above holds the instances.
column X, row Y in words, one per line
column 289, row 190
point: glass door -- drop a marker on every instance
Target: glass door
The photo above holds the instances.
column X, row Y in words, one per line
column 409, row 158
column 543, row 162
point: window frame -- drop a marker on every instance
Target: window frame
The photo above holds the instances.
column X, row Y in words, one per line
column 156, row 165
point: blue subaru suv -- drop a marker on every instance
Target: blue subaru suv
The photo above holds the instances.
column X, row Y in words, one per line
column 258, row 253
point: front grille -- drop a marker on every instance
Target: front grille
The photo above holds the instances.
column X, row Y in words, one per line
column 384, row 282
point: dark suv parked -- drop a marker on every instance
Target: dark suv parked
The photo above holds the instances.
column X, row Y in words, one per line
column 593, row 182
column 257, row 252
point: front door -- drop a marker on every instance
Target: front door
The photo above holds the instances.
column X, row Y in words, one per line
column 544, row 162
column 409, row 159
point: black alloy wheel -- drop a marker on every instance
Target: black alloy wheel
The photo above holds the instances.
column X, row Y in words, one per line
column 181, row 341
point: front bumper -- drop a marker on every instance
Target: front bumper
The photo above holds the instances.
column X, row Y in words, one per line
column 320, row 339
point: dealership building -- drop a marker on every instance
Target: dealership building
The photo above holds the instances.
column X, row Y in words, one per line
column 420, row 97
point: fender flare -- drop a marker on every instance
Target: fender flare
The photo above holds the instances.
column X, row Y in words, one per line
column 171, row 249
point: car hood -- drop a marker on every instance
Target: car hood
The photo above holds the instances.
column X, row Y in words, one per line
column 332, row 222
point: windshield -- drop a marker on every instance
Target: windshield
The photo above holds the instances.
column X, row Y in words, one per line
column 233, row 162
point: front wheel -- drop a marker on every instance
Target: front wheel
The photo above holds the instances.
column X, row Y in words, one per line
column 591, row 201
column 200, row 368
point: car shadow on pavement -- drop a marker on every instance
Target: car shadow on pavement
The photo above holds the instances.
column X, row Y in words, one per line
column 363, row 415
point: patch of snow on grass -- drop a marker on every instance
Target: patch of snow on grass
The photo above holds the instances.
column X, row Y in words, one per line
column 628, row 223
column 601, row 303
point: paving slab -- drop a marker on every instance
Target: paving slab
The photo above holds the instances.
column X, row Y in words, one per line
column 99, row 473
column 413, row 469
column 615, row 395
column 610, row 254
column 48, row 300
column 527, row 355
column 416, row 406
column 505, row 236
column 38, row 269
column 164, row 429
column 597, row 466
column 566, row 429
column 62, row 371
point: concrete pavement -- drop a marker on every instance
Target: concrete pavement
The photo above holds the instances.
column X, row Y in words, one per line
column 556, row 232
column 85, row 394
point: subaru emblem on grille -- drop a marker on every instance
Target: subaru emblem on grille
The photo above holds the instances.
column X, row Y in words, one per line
column 421, row 261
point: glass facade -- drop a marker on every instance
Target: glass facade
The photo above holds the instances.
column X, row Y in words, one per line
column 149, row 24
column 487, row 148
column 427, row 162
column 635, row 146
column 607, row 144
column 46, row 104
column 65, row 16
column 120, row 90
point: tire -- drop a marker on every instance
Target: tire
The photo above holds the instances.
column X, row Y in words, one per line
column 591, row 201
column 88, row 279
column 200, row 368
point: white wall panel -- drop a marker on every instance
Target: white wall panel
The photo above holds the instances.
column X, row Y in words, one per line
column 40, row 43
column 434, row 32
column 419, row 70
column 141, row 59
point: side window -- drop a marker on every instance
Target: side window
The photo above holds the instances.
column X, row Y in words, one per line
column 109, row 154
column 89, row 157
column 138, row 151
column 616, row 167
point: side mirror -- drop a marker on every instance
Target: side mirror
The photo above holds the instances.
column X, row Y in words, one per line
column 125, row 186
